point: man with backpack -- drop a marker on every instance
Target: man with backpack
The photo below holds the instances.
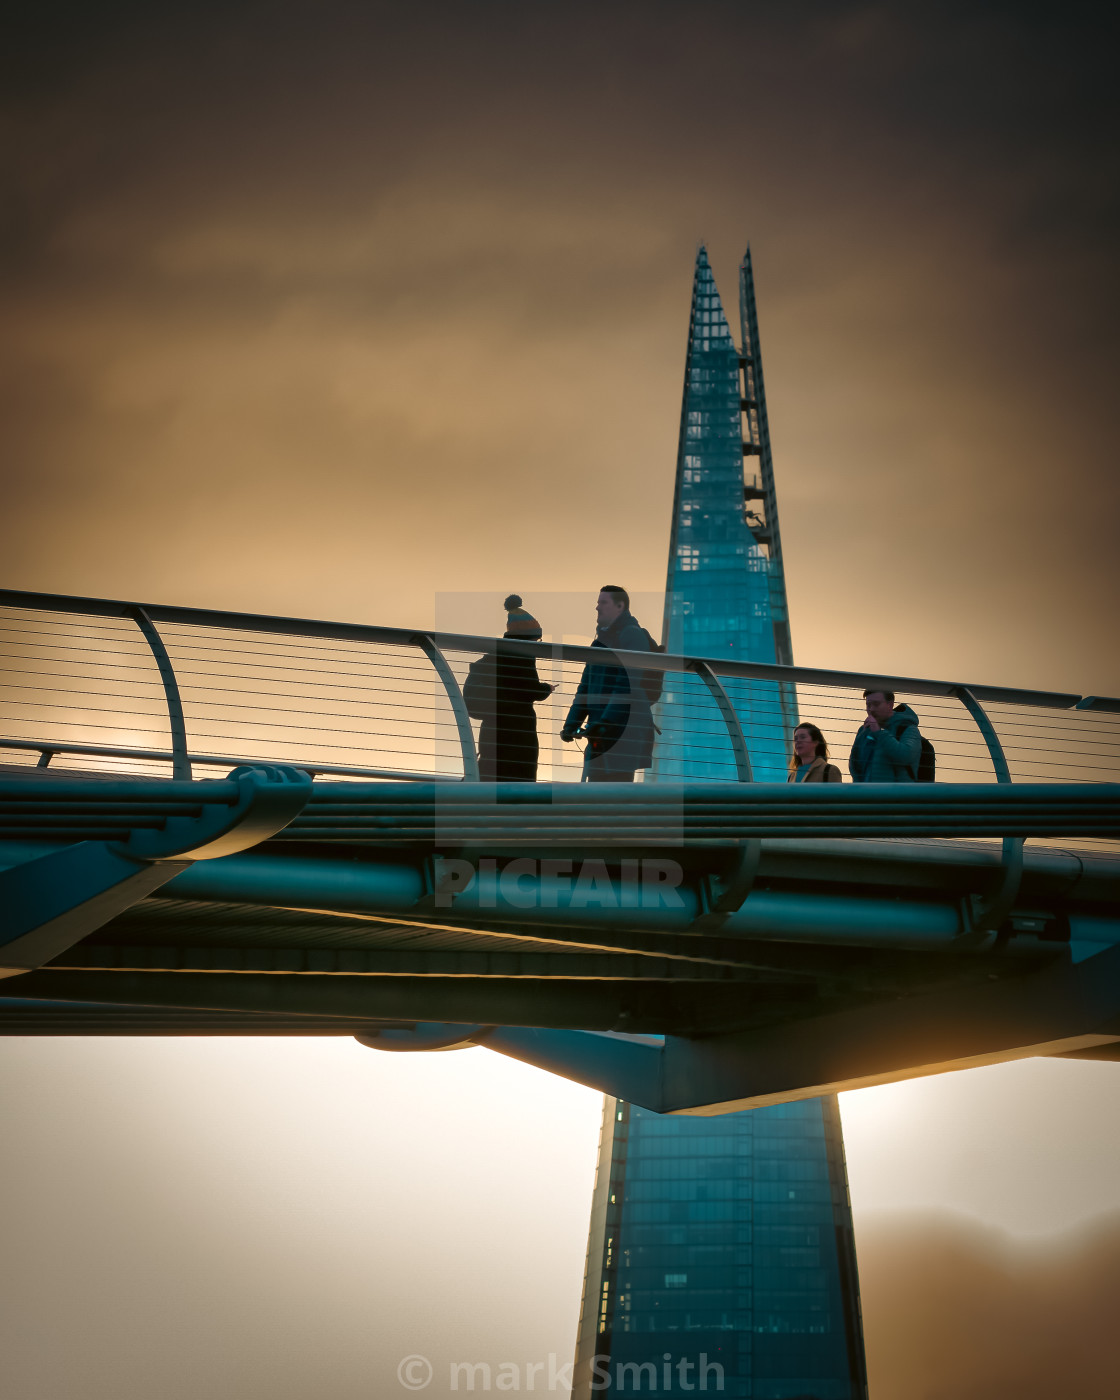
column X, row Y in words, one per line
column 613, row 706
column 888, row 746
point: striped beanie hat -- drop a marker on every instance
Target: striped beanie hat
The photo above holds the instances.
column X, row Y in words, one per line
column 519, row 622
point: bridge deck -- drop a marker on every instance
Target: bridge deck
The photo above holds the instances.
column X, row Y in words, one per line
column 781, row 939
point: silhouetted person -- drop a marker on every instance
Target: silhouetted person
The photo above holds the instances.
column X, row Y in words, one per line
column 809, row 761
column 888, row 745
column 501, row 691
column 611, row 705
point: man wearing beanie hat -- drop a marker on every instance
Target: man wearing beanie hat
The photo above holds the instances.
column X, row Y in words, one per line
column 501, row 691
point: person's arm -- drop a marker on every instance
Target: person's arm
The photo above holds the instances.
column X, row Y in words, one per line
column 534, row 688
column 616, row 712
column 578, row 712
column 905, row 751
column 832, row 774
column 541, row 690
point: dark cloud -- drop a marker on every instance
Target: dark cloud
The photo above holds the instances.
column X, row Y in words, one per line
column 407, row 291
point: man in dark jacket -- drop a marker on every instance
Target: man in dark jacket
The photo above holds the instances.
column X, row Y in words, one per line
column 611, row 703
column 888, row 745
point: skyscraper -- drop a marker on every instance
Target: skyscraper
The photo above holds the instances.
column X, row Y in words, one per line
column 725, row 592
column 720, row 1255
column 721, row 1258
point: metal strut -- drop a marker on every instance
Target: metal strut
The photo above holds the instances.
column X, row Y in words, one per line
column 180, row 759
column 51, row 902
column 743, row 771
column 722, row 897
column 984, row 916
column 458, row 705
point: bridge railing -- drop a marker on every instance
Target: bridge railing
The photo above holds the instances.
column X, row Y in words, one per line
column 103, row 685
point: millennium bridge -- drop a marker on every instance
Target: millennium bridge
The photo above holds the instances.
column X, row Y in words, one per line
column 227, row 824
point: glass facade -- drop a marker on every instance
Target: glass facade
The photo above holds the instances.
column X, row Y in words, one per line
column 722, row 1252
column 725, row 591
column 720, row 1255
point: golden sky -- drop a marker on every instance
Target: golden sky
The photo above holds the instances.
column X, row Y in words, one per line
column 332, row 309
column 328, row 309
column 252, row 1219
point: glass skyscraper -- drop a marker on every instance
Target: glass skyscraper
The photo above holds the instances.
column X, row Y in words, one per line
column 725, row 589
column 720, row 1256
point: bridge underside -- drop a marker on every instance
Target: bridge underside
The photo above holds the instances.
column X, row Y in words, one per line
column 666, row 947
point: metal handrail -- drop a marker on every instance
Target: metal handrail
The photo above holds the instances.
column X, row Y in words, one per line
column 47, row 748
column 560, row 651
column 434, row 644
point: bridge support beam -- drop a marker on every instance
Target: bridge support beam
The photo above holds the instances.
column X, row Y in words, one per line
column 1063, row 1009
column 552, row 1003
column 49, row 903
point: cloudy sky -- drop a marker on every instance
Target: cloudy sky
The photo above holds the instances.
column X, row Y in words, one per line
column 330, row 309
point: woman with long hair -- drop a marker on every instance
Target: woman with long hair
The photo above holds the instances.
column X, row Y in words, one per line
column 809, row 761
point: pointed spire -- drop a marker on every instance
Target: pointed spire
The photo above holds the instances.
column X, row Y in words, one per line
column 720, row 594
column 709, row 328
column 748, row 317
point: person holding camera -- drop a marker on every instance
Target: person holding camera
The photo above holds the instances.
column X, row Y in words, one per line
column 611, row 707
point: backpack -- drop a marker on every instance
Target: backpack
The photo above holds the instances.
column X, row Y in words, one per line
column 653, row 682
column 479, row 687
column 927, row 763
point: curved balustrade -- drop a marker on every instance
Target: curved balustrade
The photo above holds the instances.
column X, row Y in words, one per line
column 777, row 940
column 152, row 690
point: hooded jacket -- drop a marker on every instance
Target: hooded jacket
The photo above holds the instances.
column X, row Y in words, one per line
column 613, row 703
column 891, row 754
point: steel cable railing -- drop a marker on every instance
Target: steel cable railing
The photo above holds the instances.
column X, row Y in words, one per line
column 82, row 689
